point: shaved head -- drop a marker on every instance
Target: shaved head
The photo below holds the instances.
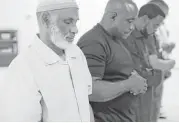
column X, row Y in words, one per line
column 119, row 16
column 130, row 7
column 123, row 5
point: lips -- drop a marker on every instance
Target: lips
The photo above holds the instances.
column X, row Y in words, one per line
column 70, row 39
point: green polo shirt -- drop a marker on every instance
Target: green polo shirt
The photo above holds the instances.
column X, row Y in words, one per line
column 109, row 59
column 140, row 48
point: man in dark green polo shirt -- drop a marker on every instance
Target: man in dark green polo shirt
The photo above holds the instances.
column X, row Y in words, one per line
column 115, row 83
column 142, row 44
column 153, row 46
column 161, row 37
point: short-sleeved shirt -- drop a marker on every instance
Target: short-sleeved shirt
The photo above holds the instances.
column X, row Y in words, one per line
column 40, row 86
column 141, row 47
column 152, row 44
column 138, row 49
column 108, row 59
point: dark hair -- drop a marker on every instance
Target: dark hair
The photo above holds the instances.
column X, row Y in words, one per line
column 161, row 2
column 151, row 10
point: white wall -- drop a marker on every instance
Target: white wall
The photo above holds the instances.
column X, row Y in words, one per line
column 172, row 22
column 14, row 15
column 90, row 13
column 20, row 15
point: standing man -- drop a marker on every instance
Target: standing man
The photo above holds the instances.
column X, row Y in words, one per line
column 111, row 65
column 49, row 82
column 166, row 48
column 142, row 47
column 159, row 38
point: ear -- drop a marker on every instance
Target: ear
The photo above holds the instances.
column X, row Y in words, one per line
column 145, row 19
column 46, row 19
column 113, row 15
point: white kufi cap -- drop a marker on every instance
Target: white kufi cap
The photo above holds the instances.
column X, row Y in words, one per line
column 49, row 5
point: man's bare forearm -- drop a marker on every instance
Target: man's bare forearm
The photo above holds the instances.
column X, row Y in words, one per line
column 104, row 91
column 160, row 64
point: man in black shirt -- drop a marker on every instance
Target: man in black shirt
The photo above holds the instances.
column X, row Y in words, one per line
column 115, row 83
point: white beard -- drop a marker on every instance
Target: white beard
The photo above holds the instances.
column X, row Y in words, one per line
column 58, row 39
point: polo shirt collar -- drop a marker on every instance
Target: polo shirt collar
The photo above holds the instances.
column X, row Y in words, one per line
column 99, row 26
column 45, row 53
column 109, row 35
column 140, row 34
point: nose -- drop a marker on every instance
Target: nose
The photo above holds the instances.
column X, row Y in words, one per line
column 74, row 29
column 132, row 26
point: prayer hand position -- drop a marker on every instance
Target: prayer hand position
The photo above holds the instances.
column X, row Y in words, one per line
column 138, row 84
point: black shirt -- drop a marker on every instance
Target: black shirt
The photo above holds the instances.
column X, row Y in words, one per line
column 109, row 59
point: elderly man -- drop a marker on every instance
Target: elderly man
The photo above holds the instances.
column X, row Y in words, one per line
column 144, row 50
column 51, row 80
column 111, row 65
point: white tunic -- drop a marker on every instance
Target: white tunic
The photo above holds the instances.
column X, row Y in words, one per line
column 40, row 86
